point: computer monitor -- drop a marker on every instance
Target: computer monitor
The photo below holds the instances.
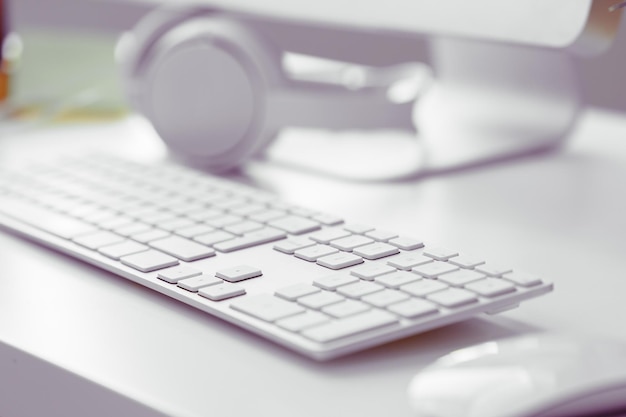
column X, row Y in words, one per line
column 554, row 23
column 504, row 81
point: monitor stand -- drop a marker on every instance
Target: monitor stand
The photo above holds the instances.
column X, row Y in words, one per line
column 488, row 102
column 492, row 101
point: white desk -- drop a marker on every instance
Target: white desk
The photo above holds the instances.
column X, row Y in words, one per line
column 75, row 340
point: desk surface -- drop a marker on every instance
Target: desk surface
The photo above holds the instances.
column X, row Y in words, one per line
column 75, row 340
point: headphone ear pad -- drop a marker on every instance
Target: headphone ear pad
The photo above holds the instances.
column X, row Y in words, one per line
column 204, row 84
column 133, row 46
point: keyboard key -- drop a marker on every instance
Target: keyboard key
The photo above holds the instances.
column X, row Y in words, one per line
column 522, row 278
column 291, row 245
column 46, row 220
column 385, row 298
column 115, row 222
column 81, row 210
column 359, row 289
column 465, row 261
column 351, row 242
column 320, row 299
column 149, row 260
column 182, row 248
column 334, row 281
column 243, row 227
column 435, row 269
column 452, row 297
column 205, row 214
column 149, row 236
column 406, row 243
column 493, row 270
column 397, row 279
column 440, row 254
column 221, row 291
column 358, row 228
column 293, row 292
column 295, row 225
column 371, row 270
column 238, row 273
column 185, row 207
column 326, row 235
column 158, row 217
column 381, row 235
column 249, row 209
column 413, row 308
column 462, row 277
column 267, row 307
column 491, row 287
column 174, row 224
column 132, row 229
column 173, row 275
column 302, row 212
column 408, row 261
column 327, row 219
column 348, row 326
column 230, row 203
column 126, row 247
column 98, row 216
column 424, row 287
column 303, row 321
column 194, row 230
column 267, row 215
column 223, row 221
column 258, row 237
column 346, row 308
column 98, row 239
column 212, row 238
column 194, row 284
column 339, row 260
column 210, row 195
column 312, row 253
column 376, row 250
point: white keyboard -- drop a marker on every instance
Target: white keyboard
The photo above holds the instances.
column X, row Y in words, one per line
column 304, row 279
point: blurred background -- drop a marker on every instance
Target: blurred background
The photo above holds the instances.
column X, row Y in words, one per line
column 58, row 59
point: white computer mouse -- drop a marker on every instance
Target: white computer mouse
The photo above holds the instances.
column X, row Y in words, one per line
column 537, row 375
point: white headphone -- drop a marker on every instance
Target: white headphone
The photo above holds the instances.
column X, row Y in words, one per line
column 215, row 90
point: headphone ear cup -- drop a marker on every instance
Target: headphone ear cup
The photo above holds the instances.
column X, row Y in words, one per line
column 133, row 46
column 203, row 83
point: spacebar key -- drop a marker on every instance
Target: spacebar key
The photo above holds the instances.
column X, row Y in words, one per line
column 351, row 325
